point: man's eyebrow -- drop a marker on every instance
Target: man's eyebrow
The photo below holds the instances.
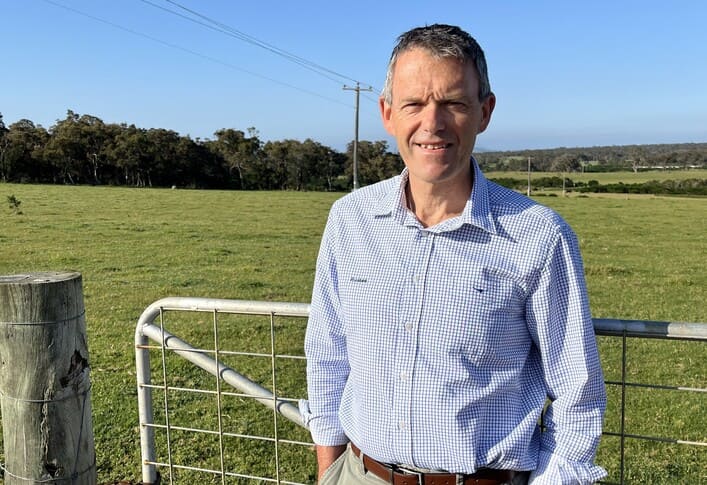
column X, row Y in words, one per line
column 409, row 99
column 452, row 98
column 460, row 96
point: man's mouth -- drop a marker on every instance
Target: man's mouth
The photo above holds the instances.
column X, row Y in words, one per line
column 436, row 146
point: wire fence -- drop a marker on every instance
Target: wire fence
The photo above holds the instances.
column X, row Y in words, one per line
column 207, row 417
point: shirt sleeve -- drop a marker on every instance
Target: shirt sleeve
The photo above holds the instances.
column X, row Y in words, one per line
column 559, row 319
column 325, row 349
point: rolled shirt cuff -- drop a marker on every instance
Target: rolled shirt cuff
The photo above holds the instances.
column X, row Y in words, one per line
column 553, row 469
column 325, row 429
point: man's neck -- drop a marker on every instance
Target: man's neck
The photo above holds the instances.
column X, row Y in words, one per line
column 435, row 203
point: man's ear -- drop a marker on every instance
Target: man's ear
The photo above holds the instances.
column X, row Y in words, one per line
column 386, row 112
column 486, row 110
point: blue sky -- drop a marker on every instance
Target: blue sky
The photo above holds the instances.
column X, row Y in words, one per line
column 564, row 73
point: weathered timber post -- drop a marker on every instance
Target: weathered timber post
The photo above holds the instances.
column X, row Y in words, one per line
column 45, row 391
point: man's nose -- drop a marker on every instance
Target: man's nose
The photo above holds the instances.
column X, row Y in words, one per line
column 433, row 118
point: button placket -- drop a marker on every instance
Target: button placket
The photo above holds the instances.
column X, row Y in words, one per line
column 406, row 352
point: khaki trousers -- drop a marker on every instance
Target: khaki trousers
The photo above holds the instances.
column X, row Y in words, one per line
column 348, row 470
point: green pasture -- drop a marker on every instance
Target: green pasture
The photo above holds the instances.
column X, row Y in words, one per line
column 645, row 258
column 605, row 178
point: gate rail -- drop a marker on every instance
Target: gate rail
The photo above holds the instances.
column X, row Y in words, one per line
column 148, row 330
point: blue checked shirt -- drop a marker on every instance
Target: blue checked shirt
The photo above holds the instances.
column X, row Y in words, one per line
column 438, row 347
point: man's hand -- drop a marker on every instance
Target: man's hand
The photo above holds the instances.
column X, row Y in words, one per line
column 326, row 455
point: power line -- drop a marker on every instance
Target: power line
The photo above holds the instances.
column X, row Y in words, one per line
column 232, row 32
column 235, row 33
column 226, row 30
column 192, row 52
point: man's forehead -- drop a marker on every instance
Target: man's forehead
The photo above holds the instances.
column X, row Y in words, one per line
column 419, row 71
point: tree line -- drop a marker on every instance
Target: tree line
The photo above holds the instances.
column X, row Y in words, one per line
column 599, row 159
column 82, row 149
column 691, row 186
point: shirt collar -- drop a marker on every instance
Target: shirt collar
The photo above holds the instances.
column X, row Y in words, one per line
column 393, row 203
column 478, row 208
column 477, row 211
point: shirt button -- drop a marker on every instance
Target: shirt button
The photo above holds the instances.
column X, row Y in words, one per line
column 404, row 376
column 409, row 327
column 416, row 279
column 401, row 425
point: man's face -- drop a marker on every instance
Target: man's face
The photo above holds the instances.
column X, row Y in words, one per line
column 435, row 116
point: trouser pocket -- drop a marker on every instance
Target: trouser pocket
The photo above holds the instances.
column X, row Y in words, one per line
column 332, row 474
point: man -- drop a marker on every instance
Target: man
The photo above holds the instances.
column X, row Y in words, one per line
column 446, row 309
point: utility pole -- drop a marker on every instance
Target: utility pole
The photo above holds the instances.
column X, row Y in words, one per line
column 529, row 158
column 358, row 90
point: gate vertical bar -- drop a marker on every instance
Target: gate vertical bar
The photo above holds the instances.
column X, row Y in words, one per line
column 145, row 412
column 219, row 402
column 274, row 396
column 623, row 405
column 163, row 348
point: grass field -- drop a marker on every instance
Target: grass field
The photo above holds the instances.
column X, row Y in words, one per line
column 609, row 177
column 645, row 258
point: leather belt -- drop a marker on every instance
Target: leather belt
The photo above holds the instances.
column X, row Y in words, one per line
column 402, row 476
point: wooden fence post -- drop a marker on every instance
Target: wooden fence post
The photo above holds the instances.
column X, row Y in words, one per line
column 45, row 391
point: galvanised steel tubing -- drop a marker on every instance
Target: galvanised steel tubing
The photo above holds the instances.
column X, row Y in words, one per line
column 644, row 329
column 146, row 330
column 266, row 439
column 650, row 329
column 144, row 401
column 246, row 307
column 183, row 349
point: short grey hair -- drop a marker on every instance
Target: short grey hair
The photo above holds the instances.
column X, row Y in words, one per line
column 441, row 41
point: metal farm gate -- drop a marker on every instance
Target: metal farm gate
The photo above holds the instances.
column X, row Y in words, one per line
column 198, row 395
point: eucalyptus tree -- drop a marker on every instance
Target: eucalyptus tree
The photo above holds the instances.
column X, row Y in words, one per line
column 565, row 162
column 295, row 165
column 95, row 137
column 65, row 149
column 132, row 154
column 163, row 164
column 375, row 161
column 314, row 166
column 197, row 165
column 23, row 157
column 274, row 172
column 332, row 177
column 240, row 152
column 4, row 143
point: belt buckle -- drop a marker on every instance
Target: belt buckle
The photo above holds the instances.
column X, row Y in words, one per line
column 409, row 471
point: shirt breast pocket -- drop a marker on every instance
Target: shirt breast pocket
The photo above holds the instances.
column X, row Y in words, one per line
column 495, row 293
column 490, row 312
